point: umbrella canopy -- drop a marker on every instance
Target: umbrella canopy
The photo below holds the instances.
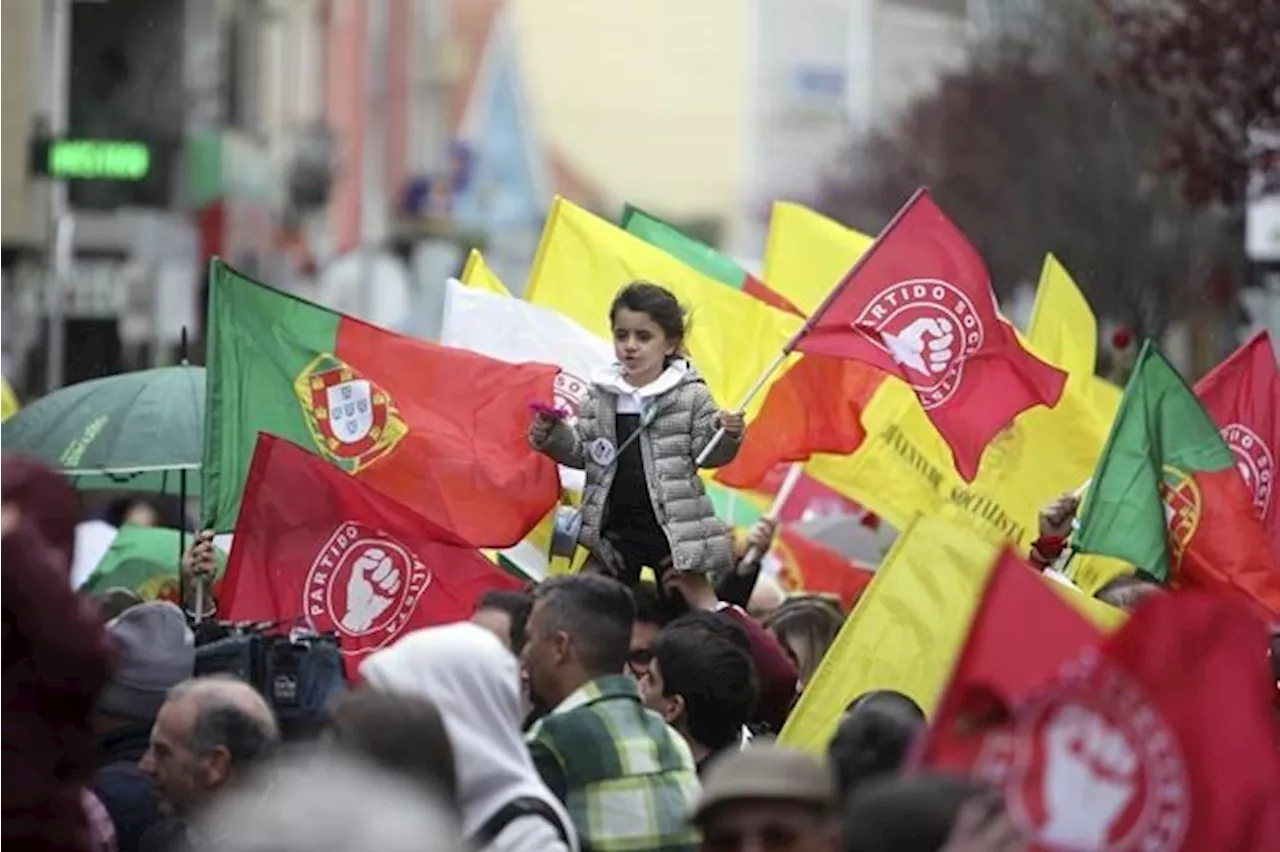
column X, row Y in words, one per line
column 135, row 431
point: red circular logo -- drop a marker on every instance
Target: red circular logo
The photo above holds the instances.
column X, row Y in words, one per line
column 930, row 328
column 364, row 585
column 1092, row 765
column 1255, row 461
column 569, row 391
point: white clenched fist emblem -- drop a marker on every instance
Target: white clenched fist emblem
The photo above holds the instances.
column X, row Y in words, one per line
column 371, row 589
column 926, row 345
column 1090, row 777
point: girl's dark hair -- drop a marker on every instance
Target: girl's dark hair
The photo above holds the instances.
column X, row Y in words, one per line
column 658, row 303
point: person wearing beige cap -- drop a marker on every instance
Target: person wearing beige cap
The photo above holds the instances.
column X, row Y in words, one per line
column 768, row 797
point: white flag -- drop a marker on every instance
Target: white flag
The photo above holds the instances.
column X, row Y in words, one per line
column 518, row 332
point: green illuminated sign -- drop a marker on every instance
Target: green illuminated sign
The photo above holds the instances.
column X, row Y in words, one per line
column 97, row 159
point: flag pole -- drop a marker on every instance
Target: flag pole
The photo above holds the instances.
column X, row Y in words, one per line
column 779, row 501
column 812, row 319
column 742, row 407
column 184, row 361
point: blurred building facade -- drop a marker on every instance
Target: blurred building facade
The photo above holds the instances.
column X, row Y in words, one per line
column 281, row 134
column 647, row 101
column 707, row 112
column 352, row 150
column 844, row 68
column 181, row 79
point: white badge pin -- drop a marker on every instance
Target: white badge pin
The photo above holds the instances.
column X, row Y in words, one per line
column 602, row 452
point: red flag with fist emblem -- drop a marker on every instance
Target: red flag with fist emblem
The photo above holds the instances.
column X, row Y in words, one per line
column 919, row 306
column 1242, row 395
column 315, row 547
column 1123, row 742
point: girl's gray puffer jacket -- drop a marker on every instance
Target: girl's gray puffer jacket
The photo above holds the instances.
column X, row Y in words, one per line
column 684, row 420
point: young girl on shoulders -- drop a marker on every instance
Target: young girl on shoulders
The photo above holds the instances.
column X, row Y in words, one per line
column 645, row 421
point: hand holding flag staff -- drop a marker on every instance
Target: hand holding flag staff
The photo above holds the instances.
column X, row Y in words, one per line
column 919, row 305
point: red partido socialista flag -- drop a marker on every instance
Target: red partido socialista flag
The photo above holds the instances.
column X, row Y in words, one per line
column 1122, row 742
column 1242, row 395
column 317, row 546
column 919, row 306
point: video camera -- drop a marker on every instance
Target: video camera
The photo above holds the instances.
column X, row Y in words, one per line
column 299, row 673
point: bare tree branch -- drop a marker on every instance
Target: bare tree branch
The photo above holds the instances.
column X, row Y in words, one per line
column 1212, row 67
column 1030, row 153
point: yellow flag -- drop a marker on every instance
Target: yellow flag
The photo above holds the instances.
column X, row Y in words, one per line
column 1064, row 331
column 904, row 467
column 476, row 273
column 583, row 261
column 9, row 404
column 1101, row 614
column 904, row 632
column 805, row 281
column 908, row 627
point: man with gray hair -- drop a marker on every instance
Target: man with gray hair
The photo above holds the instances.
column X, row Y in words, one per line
column 208, row 733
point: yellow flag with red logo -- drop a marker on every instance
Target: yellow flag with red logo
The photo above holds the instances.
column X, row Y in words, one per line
column 904, row 467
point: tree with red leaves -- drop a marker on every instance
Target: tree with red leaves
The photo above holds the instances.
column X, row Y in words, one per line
column 1030, row 154
column 1213, row 67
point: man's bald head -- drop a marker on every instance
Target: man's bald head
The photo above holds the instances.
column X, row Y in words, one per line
column 230, row 713
column 210, row 730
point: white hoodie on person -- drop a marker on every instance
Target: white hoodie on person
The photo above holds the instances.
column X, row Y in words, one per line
column 475, row 683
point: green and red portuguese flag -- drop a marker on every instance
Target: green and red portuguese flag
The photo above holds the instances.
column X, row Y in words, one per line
column 1167, row 498
column 438, row 429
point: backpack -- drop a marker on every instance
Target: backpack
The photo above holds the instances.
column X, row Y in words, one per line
column 521, row 806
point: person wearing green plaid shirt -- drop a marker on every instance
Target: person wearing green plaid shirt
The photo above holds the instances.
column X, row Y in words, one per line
column 625, row 776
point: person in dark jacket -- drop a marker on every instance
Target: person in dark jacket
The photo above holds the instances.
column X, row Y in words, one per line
column 56, row 658
column 157, row 652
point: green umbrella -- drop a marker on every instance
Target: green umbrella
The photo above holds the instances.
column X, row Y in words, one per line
column 143, row 560
column 136, row 431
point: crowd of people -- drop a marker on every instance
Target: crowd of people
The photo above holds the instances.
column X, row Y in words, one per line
column 605, row 710
column 579, row 715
